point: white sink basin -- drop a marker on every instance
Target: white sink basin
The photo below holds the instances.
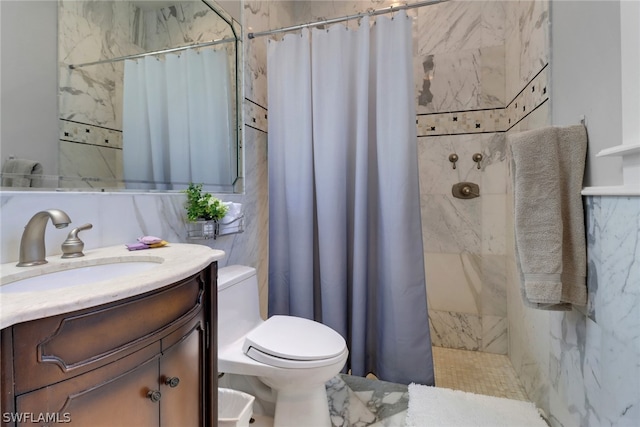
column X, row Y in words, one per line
column 77, row 276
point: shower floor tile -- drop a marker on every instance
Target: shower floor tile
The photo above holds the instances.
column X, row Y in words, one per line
column 477, row 372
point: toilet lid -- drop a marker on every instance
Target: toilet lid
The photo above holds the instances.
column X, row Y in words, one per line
column 295, row 339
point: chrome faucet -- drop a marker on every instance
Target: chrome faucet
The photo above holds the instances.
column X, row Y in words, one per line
column 32, row 249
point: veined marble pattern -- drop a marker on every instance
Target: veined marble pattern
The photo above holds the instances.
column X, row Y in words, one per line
column 455, row 330
column 93, row 94
column 182, row 24
column 89, row 156
column 530, row 98
column 459, row 59
column 451, row 225
column 494, row 335
column 436, row 171
column 617, row 297
column 527, row 42
column 87, row 166
column 451, row 26
column 460, row 80
column 261, row 16
column 360, row 402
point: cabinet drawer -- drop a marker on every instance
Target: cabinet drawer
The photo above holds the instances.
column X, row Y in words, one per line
column 60, row 347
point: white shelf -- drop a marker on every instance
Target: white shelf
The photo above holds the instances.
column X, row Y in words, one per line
column 630, row 154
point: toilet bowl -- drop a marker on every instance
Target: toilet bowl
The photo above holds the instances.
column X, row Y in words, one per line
column 295, row 357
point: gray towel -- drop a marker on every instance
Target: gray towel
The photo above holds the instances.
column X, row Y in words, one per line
column 549, row 218
column 21, row 173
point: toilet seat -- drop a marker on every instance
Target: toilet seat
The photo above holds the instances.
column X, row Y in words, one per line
column 294, row 342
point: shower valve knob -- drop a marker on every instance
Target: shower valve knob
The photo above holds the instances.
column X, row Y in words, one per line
column 453, row 158
column 477, row 158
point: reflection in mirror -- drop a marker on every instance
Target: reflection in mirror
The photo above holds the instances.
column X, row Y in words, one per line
column 156, row 121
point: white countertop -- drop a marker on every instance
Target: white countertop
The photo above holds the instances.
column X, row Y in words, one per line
column 176, row 261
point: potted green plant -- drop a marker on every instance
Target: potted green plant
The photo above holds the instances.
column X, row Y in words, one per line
column 203, row 212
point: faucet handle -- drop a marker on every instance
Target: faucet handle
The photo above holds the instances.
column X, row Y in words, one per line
column 72, row 246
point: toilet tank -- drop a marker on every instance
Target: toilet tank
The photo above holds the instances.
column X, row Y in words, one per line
column 238, row 303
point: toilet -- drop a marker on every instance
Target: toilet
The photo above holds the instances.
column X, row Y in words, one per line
column 293, row 356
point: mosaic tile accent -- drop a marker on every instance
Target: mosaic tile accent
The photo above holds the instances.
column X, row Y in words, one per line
column 89, row 134
column 534, row 94
column 462, row 122
column 255, row 116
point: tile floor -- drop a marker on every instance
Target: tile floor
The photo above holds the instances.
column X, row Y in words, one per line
column 477, row 372
column 355, row 401
column 360, row 402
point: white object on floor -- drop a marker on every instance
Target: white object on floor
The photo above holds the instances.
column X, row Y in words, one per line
column 439, row 407
column 234, row 408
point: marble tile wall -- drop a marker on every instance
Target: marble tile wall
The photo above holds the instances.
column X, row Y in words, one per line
column 460, row 102
column 581, row 367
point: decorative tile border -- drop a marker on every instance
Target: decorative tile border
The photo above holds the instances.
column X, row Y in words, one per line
column 462, row 122
column 255, row 116
column 534, row 94
column 90, row 134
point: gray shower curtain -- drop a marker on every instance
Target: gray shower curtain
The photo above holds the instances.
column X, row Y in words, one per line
column 345, row 245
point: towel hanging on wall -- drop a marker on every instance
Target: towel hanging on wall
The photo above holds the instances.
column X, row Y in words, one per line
column 548, row 168
column 21, row 173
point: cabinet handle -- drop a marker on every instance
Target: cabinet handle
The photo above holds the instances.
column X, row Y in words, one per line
column 154, row 395
column 172, row 381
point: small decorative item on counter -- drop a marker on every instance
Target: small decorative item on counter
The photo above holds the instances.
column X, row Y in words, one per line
column 146, row 242
column 204, row 211
column 152, row 241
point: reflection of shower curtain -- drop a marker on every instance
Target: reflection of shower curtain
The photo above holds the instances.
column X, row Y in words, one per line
column 177, row 122
column 344, row 207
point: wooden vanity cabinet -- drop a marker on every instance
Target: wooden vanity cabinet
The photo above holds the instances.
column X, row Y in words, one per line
column 149, row 360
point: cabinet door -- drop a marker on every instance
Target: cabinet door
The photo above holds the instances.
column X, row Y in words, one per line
column 182, row 379
column 115, row 395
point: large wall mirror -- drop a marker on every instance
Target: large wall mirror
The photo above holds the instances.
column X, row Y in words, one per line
column 148, row 96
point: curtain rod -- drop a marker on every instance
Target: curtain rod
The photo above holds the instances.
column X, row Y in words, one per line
column 347, row 18
column 157, row 52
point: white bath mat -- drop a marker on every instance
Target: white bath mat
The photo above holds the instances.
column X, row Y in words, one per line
column 440, row 407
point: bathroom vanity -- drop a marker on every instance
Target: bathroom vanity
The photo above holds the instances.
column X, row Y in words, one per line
column 144, row 359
